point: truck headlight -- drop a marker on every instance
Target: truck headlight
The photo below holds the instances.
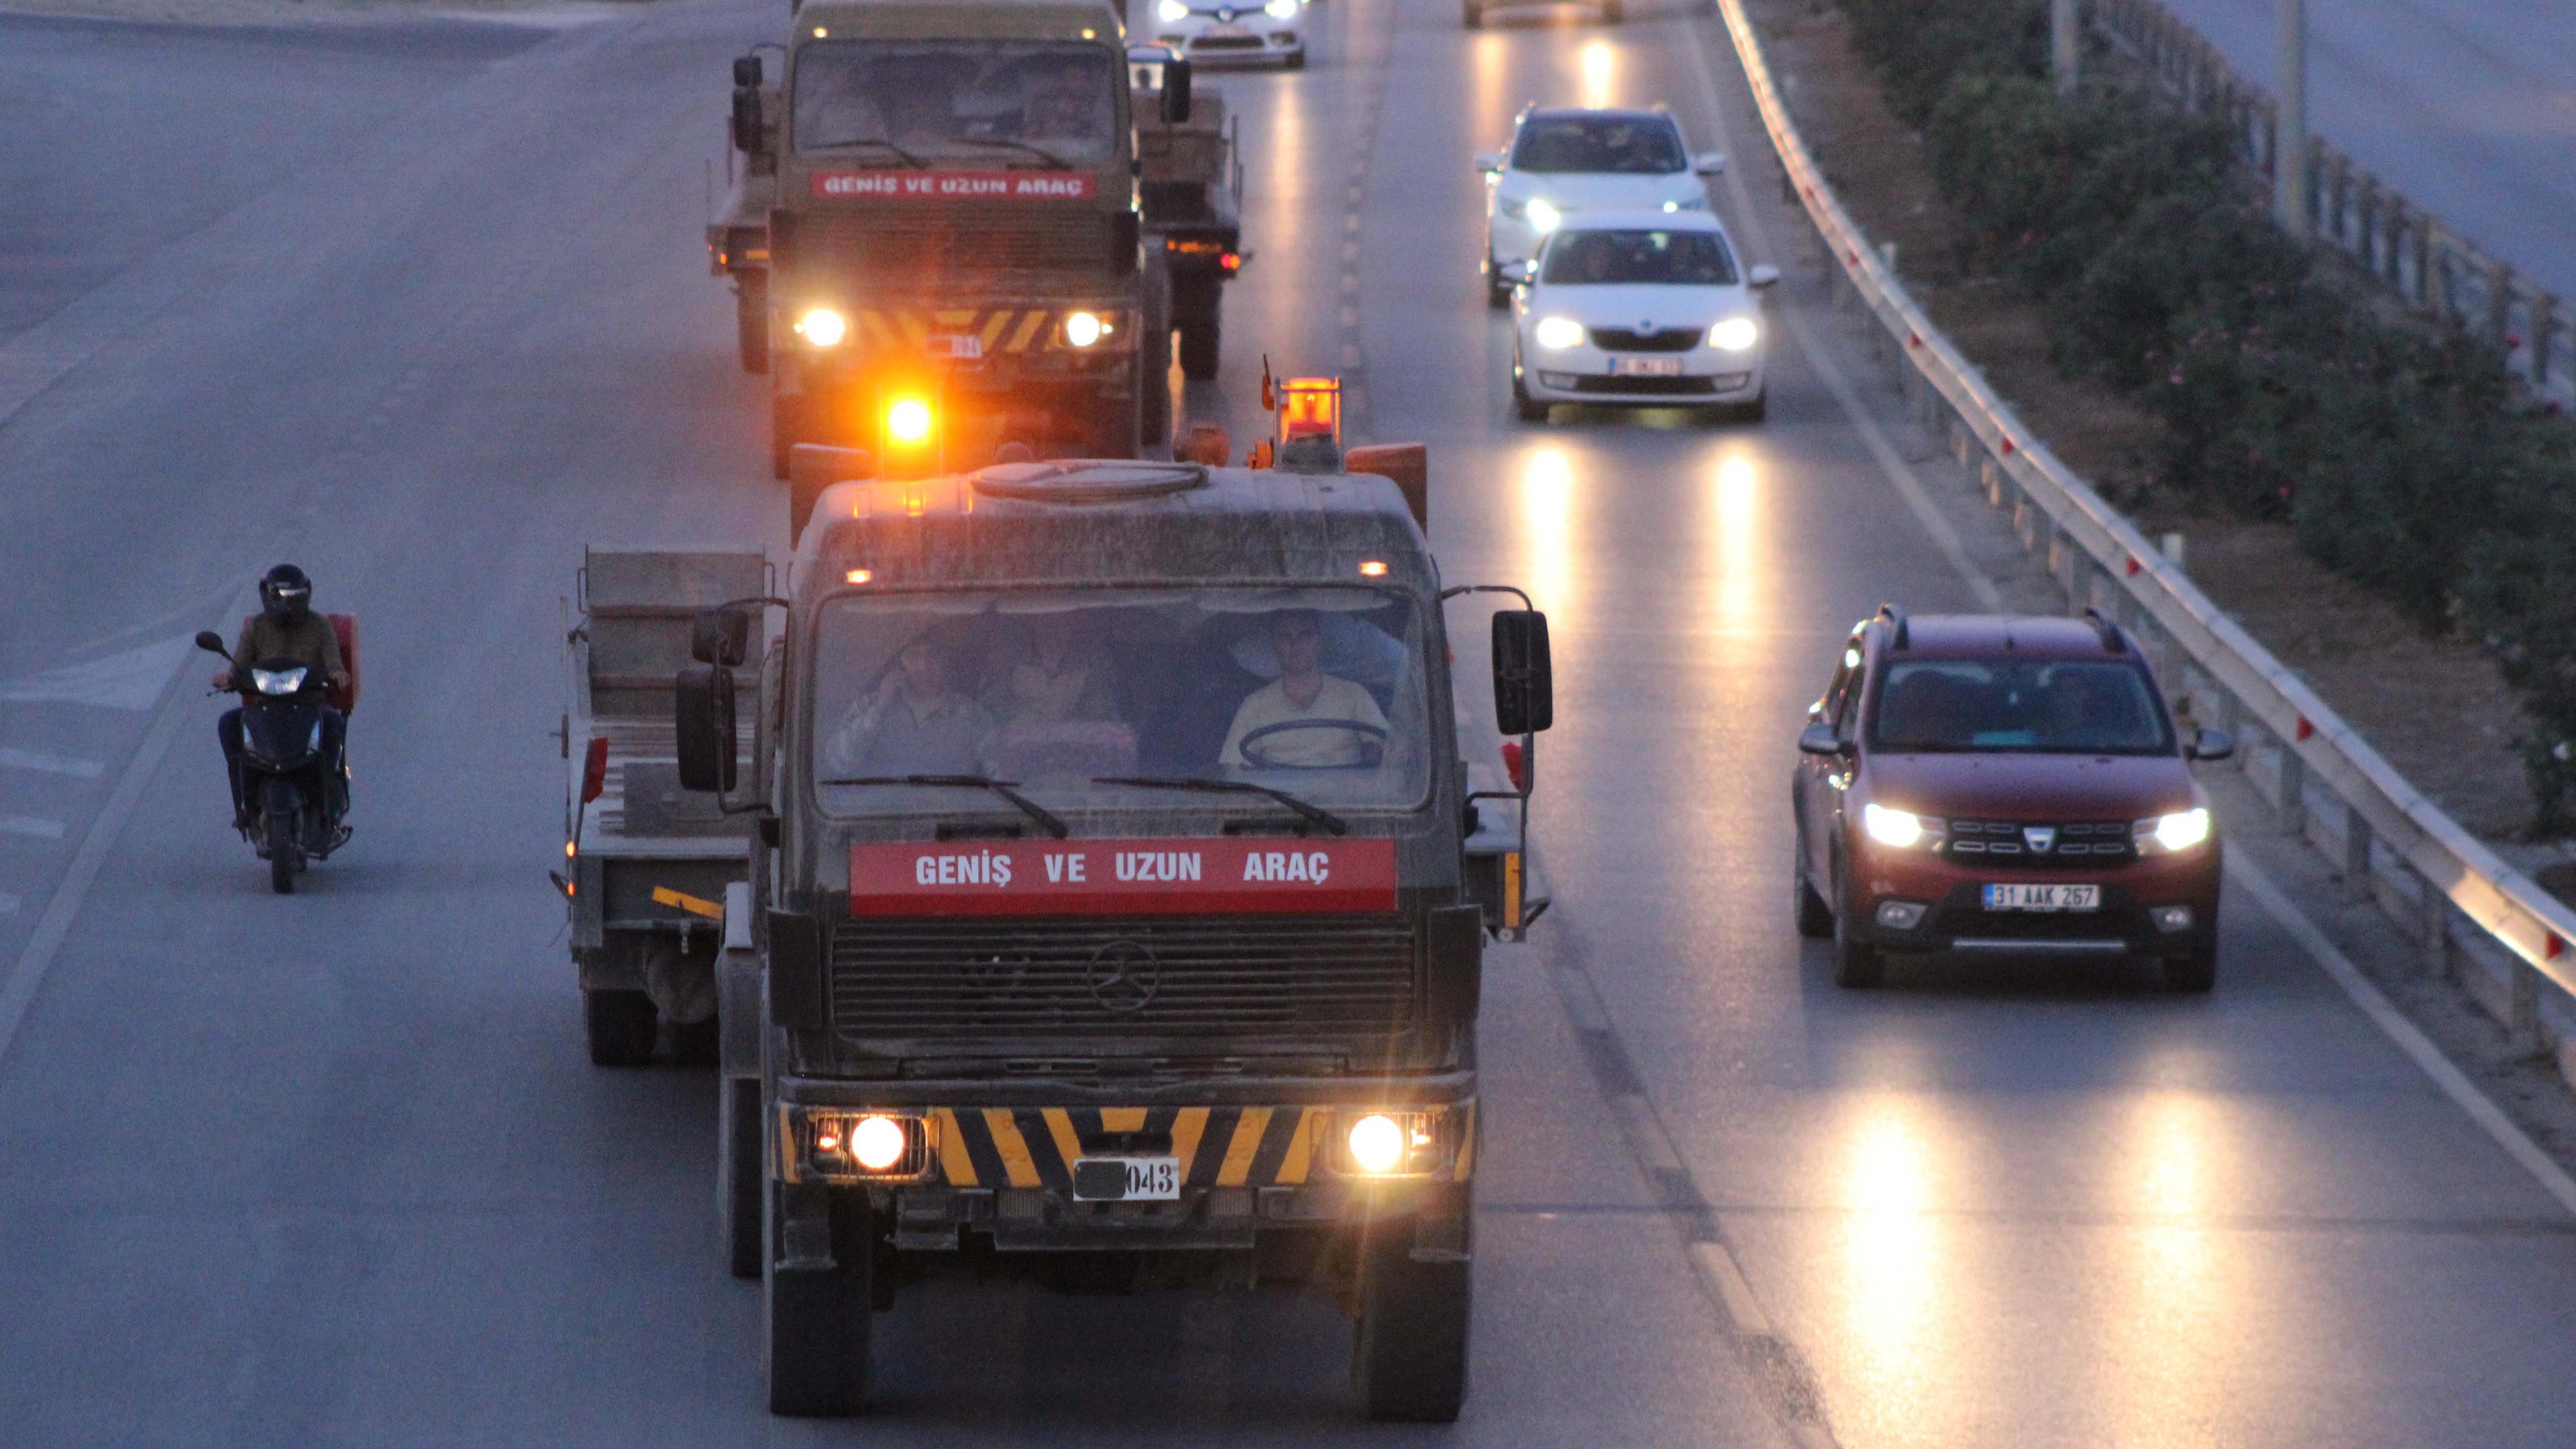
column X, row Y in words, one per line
column 1281, row 9
column 1082, row 329
column 2169, row 833
column 823, row 327
column 1396, row 1144
column 1901, row 828
column 1735, row 334
column 877, row 1143
column 1172, row 11
column 1558, row 333
column 1543, row 217
column 840, row 1146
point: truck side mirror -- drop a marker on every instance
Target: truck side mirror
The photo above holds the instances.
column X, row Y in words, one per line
column 746, row 118
column 703, row 719
column 1176, row 91
column 813, row 467
column 1126, row 234
column 1524, row 680
column 721, row 636
column 746, row 70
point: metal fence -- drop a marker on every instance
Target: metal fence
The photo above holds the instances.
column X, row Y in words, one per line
column 2435, row 270
column 2445, row 888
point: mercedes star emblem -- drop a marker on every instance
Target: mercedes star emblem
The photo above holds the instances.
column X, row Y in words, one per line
column 1123, row 976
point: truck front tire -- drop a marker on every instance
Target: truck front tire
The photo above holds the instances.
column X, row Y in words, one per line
column 1409, row 1354
column 740, row 1169
column 751, row 320
column 786, row 421
column 814, row 1345
column 619, row 1026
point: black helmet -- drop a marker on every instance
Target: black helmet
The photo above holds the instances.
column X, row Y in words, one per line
column 285, row 593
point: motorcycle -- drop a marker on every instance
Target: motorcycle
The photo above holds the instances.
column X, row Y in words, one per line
column 297, row 797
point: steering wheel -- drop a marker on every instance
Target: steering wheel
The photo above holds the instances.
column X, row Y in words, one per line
column 1260, row 761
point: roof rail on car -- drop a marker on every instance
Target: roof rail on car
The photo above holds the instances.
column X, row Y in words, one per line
column 2113, row 640
column 1896, row 617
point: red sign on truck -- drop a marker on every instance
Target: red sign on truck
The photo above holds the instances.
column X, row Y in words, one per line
column 1122, row 877
column 953, row 185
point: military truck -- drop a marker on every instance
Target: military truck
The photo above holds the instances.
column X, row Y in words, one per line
column 1121, row 889
column 936, row 235
column 645, row 863
column 1193, row 195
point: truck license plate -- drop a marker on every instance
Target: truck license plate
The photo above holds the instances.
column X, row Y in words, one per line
column 2043, row 898
column 960, row 347
column 1645, row 367
column 1127, row 1179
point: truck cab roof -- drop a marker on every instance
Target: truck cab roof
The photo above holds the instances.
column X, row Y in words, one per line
column 1114, row 522
column 1068, row 19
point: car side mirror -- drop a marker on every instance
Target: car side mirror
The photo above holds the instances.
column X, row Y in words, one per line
column 212, row 643
column 2208, row 744
column 1819, row 739
column 1524, row 677
column 1489, row 162
column 1176, row 92
column 721, row 636
column 1765, row 275
column 1709, row 163
column 813, row 467
column 746, row 70
column 702, row 716
column 1520, row 274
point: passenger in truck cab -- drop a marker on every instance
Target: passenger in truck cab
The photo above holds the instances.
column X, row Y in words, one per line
column 914, row 723
column 1305, row 719
column 1064, row 105
column 1054, row 676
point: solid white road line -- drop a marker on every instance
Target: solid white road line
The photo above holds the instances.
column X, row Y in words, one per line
column 45, row 764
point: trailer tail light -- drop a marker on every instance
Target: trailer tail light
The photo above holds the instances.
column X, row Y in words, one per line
column 1516, row 765
column 594, row 769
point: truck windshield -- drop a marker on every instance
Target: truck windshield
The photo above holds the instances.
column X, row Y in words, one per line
column 2061, row 706
column 1621, row 258
column 1315, row 691
column 1009, row 103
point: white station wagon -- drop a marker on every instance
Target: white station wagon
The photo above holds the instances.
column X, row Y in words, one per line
column 1643, row 309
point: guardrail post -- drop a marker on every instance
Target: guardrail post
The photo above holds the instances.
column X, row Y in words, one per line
column 2079, row 578
column 2544, row 337
column 2433, row 927
column 2294, row 790
column 2356, row 855
column 2499, row 303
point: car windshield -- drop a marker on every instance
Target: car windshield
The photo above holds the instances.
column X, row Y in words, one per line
column 1609, row 258
column 1316, row 691
column 985, row 97
column 1624, row 145
column 2043, row 706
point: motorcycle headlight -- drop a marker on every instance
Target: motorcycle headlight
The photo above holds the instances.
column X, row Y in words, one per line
column 277, row 681
column 1735, row 334
column 1281, row 9
column 1172, row 12
column 1556, row 333
column 1542, row 216
column 1901, row 828
column 823, row 327
column 2169, row 833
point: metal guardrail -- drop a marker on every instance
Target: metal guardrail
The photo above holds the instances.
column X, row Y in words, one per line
column 2432, row 268
column 2397, row 847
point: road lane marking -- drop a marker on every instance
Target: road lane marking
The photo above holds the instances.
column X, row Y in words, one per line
column 45, row 764
column 2411, row 1040
column 130, row 679
column 31, row 827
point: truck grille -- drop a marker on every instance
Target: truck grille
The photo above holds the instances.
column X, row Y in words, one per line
column 1122, row 976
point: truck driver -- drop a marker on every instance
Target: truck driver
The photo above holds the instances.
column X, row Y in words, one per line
column 1304, row 695
column 914, row 724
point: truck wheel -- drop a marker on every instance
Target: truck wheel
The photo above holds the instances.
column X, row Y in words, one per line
column 739, row 1173
column 1154, row 406
column 2193, row 973
column 815, row 1340
column 786, row 422
column 619, row 1025
column 1815, row 917
column 1857, row 964
column 1409, row 1358
column 751, row 320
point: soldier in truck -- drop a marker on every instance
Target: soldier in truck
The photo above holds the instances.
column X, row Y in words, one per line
column 914, row 723
column 1306, row 718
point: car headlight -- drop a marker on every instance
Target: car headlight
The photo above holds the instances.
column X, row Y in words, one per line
column 277, row 681
column 823, row 327
column 1556, row 333
column 2169, row 833
column 1172, row 11
column 1543, row 216
column 1901, row 828
column 1082, row 329
column 1735, row 334
column 1281, row 9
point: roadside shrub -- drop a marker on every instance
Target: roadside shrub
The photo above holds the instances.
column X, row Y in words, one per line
column 1918, row 47
column 2188, row 255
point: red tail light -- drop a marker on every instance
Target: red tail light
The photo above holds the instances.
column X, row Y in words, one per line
column 1516, row 765
column 594, row 769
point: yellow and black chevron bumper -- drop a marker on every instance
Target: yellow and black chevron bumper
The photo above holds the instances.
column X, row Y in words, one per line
column 966, row 334
column 1037, row 1147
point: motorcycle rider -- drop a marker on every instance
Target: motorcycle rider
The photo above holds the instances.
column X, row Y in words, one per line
column 284, row 628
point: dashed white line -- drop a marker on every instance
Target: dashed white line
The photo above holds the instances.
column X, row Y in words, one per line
column 45, row 764
column 31, row 827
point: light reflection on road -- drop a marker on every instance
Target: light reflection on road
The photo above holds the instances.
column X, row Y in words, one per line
column 1897, row 1259
column 1551, row 533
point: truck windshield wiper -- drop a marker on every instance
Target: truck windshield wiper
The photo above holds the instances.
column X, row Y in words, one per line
column 909, row 159
column 1053, row 161
column 1313, row 813
column 1046, row 819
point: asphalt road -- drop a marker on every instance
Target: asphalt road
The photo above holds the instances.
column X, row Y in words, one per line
column 424, row 309
column 2466, row 106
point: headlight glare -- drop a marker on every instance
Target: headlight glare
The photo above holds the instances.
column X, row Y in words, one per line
column 823, row 327
column 1900, row 828
column 278, row 681
column 1281, row 9
column 1557, row 333
column 1172, row 11
column 908, row 420
column 1543, row 216
column 2179, row 831
column 1082, row 329
column 1377, row 1143
column 877, row 1143
column 1735, row 334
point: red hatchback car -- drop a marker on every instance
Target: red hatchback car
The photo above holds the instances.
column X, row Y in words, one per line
column 1995, row 785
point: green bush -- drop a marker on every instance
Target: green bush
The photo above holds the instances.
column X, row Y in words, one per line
column 2185, row 256
column 1920, row 46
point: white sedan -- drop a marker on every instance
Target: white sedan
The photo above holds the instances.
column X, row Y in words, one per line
column 1564, row 162
column 1233, row 29
column 1641, row 309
